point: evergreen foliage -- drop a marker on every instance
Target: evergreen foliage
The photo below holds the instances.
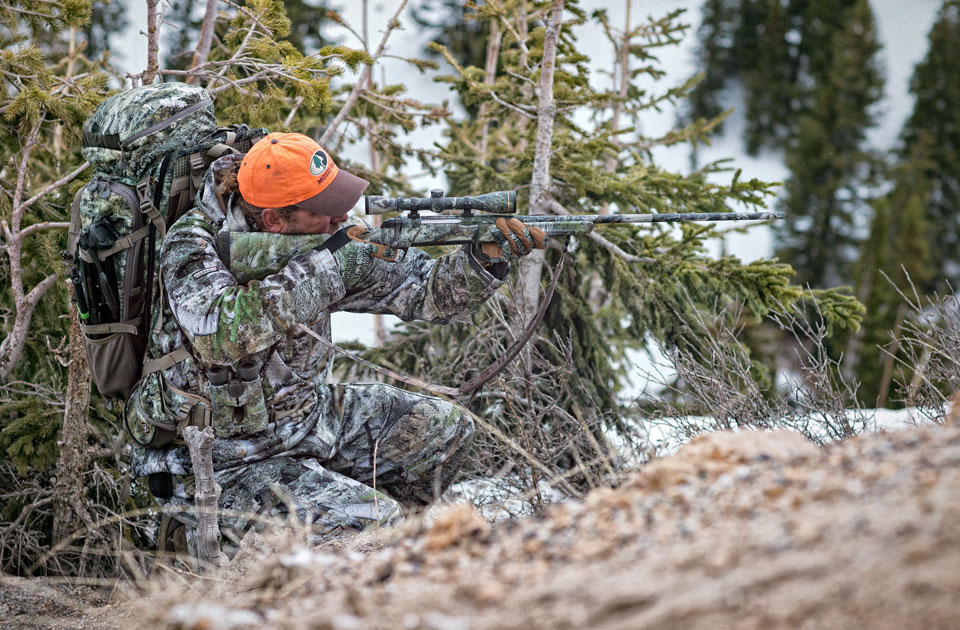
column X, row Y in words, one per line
column 911, row 247
column 303, row 31
column 40, row 97
column 108, row 18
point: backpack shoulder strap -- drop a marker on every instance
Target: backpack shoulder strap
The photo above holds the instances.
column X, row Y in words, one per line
column 74, row 231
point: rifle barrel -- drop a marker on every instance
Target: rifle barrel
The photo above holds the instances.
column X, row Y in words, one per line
column 678, row 217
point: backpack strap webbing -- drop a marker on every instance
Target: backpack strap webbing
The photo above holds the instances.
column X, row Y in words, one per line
column 147, row 208
column 196, row 412
column 121, row 244
column 129, row 327
column 200, row 159
column 166, row 361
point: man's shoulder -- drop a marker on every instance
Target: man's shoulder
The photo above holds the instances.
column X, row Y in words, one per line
column 195, row 218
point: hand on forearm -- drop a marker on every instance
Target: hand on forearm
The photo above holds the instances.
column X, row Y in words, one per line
column 513, row 240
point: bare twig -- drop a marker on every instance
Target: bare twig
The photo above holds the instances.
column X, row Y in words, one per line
column 57, row 184
column 362, row 80
column 45, row 225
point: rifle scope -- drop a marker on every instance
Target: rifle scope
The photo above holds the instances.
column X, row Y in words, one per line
column 499, row 202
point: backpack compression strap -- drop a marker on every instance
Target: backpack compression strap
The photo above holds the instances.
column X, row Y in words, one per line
column 166, row 361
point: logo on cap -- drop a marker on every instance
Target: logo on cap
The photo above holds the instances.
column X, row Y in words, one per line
column 318, row 163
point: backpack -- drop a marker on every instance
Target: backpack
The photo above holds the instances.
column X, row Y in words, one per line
column 150, row 147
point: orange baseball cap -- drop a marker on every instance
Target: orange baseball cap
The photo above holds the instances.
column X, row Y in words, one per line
column 291, row 169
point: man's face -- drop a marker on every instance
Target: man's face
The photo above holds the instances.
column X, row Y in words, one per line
column 304, row 222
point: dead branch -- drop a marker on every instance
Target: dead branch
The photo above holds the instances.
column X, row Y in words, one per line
column 57, row 184
column 45, row 225
column 74, row 454
column 207, row 497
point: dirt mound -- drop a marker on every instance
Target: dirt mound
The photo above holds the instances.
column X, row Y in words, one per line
column 747, row 530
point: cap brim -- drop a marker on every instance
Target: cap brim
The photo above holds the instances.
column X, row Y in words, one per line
column 338, row 197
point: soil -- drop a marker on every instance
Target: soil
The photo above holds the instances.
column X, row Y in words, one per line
column 736, row 530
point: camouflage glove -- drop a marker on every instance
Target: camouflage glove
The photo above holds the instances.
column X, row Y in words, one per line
column 514, row 239
column 352, row 257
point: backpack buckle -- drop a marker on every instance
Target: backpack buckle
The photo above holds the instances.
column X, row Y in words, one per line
column 143, row 195
column 196, row 162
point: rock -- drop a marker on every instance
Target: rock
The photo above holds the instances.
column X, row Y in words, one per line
column 711, row 455
column 454, row 525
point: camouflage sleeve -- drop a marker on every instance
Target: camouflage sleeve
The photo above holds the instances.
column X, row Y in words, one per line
column 420, row 287
column 225, row 321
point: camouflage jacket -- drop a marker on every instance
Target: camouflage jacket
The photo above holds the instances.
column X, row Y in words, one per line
column 222, row 322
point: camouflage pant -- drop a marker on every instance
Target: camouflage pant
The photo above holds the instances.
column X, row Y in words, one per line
column 405, row 445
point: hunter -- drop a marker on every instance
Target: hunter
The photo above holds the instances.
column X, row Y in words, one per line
column 235, row 357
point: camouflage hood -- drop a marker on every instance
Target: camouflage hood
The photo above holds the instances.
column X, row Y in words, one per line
column 130, row 130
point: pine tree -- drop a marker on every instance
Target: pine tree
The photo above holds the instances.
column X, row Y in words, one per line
column 933, row 131
column 770, row 89
column 716, row 57
column 896, row 259
column 824, row 200
column 656, row 280
column 107, row 19
column 777, row 51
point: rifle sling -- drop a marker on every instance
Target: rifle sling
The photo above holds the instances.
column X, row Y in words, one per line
column 495, row 367
column 481, row 378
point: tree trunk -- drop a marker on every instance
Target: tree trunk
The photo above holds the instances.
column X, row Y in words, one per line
column 490, row 75
column 202, row 53
column 153, row 44
column 69, row 509
column 532, row 265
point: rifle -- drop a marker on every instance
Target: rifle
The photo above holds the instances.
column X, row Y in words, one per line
column 255, row 255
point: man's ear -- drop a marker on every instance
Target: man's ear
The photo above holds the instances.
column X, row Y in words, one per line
column 272, row 221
